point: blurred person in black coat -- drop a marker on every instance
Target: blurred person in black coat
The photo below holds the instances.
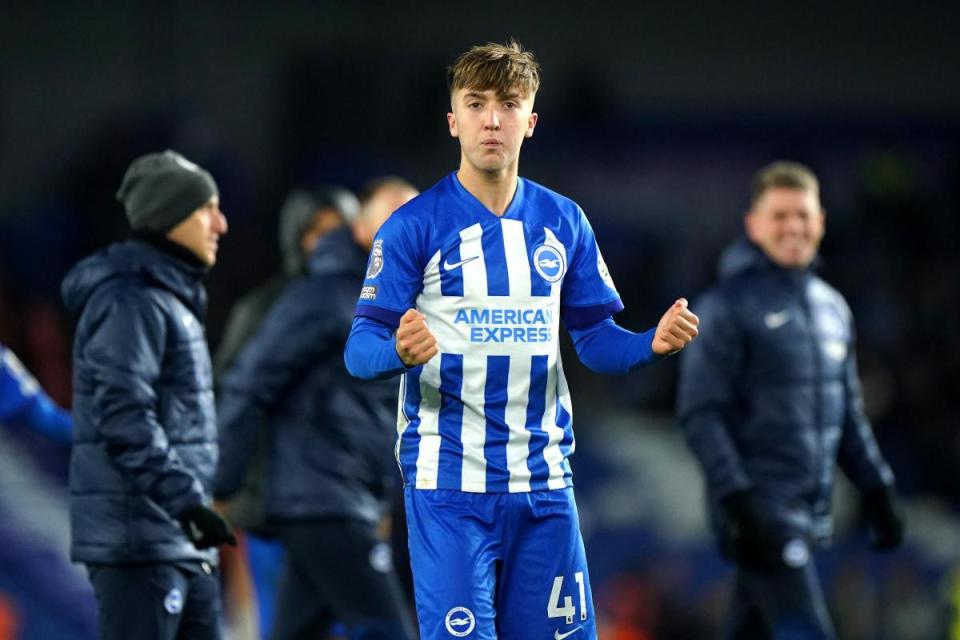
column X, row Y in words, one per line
column 329, row 474
column 145, row 433
column 307, row 214
column 769, row 399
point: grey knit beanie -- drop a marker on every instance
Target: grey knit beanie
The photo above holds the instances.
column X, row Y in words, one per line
column 159, row 190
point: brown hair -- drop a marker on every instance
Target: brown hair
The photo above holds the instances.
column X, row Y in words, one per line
column 784, row 174
column 501, row 67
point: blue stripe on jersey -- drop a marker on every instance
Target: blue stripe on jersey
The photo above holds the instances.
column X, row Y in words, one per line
column 451, row 280
column 451, row 420
column 536, row 399
column 565, row 422
column 410, row 438
column 535, row 237
column 497, row 433
column 495, row 258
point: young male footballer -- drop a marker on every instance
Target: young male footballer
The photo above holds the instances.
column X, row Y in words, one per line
column 465, row 290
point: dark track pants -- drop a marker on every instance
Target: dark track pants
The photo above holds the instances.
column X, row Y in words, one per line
column 339, row 571
column 787, row 604
column 162, row 601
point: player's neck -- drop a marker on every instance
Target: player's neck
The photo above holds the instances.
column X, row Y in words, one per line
column 494, row 189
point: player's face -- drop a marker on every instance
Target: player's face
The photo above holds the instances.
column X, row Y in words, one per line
column 200, row 231
column 788, row 225
column 491, row 127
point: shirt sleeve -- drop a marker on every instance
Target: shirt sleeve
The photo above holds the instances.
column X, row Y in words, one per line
column 371, row 351
column 588, row 294
column 23, row 402
column 606, row 347
column 394, row 275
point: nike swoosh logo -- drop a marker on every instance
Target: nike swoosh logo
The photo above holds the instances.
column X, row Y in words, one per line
column 776, row 320
column 560, row 636
column 450, row 266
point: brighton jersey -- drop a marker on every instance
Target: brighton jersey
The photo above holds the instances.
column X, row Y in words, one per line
column 491, row 412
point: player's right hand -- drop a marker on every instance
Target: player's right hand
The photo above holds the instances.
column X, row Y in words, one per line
column 416, row 344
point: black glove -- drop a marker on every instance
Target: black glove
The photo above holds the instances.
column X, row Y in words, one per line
column 205, row 527
column 884, row 518
column 751, row 539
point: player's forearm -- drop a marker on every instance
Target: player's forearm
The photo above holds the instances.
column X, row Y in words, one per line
column 371, row 351
column 605, row 347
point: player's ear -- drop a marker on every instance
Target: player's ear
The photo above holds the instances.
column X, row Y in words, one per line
column 750, row 225
column 452, row 125
column 531, row 124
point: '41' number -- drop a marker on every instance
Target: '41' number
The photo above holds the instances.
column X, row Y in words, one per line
column 567, row 610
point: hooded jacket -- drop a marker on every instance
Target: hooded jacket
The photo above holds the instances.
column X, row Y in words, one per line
column 246, row 508
column 769, row 395
column 330, row 435
column 145, row 442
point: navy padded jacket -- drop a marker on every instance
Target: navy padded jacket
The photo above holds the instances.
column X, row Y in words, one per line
column 330, row 435
column 769, row 395
column 145, row 441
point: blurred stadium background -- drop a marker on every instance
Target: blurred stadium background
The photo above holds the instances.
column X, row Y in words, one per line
column 654, row 118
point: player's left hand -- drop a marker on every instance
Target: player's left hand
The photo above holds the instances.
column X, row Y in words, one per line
column 676, row 329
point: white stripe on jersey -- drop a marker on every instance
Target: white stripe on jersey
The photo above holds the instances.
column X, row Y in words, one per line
column 428, row 455
column 475, row 271
column 518, row 445
column 518, row 262
column 518, row 389
column 551, row 452
column 474, row 433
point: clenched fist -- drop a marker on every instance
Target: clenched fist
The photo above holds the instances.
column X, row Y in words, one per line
column 676, row 329
column 415, row 342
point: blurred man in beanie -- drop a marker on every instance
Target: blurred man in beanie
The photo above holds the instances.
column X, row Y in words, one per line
column 145, row 440
column 328, row 479
column 769, row 398
column 307, row 215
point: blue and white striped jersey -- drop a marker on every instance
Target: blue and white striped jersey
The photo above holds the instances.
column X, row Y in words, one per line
column 491, row 412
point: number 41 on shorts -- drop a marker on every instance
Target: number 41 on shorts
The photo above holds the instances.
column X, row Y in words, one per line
column 568, row 611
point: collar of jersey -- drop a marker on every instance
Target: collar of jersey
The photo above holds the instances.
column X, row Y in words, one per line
column 513, row 210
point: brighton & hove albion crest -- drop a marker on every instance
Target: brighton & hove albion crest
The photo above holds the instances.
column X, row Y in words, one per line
column 549, row 262
column 173, row 602
column 375, row 266
column 460, row 622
